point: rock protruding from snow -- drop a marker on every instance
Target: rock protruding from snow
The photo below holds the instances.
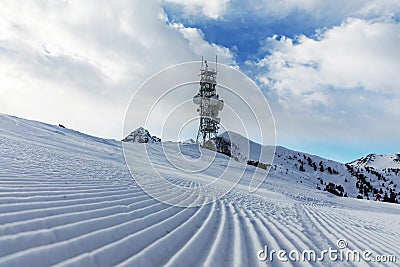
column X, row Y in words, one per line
column 141, row 135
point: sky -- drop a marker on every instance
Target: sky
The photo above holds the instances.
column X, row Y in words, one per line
column 329, row 69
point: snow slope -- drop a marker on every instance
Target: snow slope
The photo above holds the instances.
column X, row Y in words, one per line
column 362, row 178
column 68, row 199
column 378, row 162
column 244, row 149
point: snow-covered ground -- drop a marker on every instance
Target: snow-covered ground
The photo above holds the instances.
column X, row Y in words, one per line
column 363, row 178
column 68, row 199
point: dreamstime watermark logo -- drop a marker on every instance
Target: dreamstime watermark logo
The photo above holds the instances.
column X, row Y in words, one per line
column 341, row 254
column 186, row 175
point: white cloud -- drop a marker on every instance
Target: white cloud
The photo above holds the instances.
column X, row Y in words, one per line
column 355, row 54
column 210, row 8
column 342, row 85
column 79, row 62
column 201, row 47
column 325, row 11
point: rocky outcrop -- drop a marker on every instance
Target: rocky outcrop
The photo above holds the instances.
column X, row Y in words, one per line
column 141, row 135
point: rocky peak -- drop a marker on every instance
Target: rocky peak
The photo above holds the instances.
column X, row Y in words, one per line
column 141, row 135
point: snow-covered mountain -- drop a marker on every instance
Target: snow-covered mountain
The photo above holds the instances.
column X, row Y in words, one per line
column 378, row 162
column 243, row 149
column 364, row 178
column 68, row 199
column 141, row 135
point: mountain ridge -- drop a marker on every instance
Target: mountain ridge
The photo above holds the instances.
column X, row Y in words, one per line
column 358, row 179
column 378, row 161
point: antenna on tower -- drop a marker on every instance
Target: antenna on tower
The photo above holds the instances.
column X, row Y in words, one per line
column 209, row 105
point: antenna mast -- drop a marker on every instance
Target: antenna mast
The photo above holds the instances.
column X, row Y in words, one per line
column 209, row 105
